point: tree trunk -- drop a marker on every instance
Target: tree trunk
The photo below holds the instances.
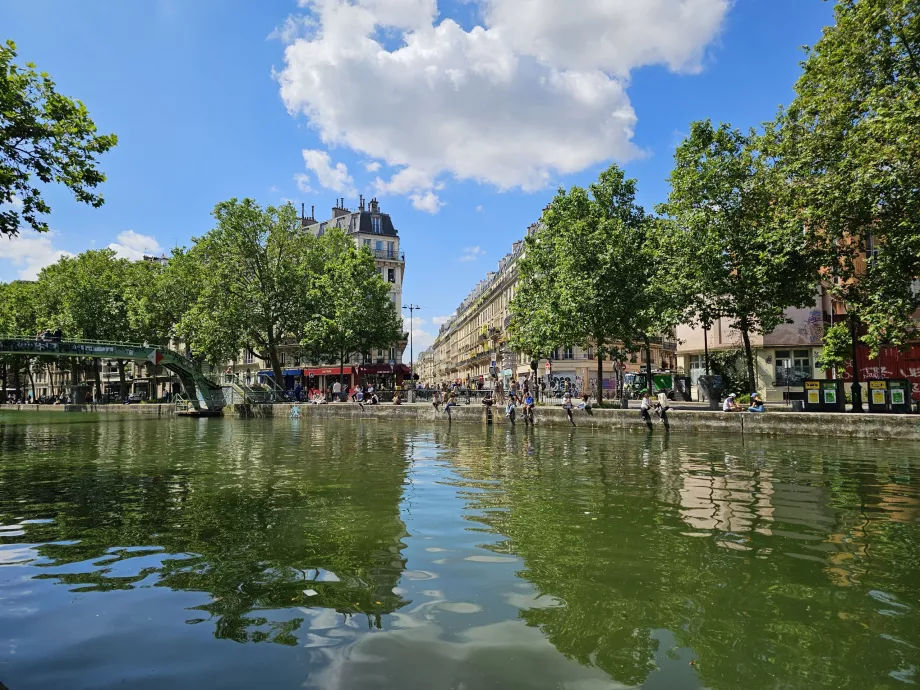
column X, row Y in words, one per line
column 648, row 366
column 275, row 361
column 98, row 375
column 52, row 369
column 600, row 374
column 17, row 374
column 31, row 380
column 342, row 372
column 122, row 381
column 749, row 358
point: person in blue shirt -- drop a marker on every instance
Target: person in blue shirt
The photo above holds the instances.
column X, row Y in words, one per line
column 528, row 409
column 756, row 403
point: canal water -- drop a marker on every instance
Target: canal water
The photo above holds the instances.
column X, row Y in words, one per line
column 216, row 553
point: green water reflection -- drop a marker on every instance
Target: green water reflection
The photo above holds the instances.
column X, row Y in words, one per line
column 145, row 553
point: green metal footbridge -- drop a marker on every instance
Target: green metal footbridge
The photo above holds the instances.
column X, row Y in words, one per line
column 204, row 395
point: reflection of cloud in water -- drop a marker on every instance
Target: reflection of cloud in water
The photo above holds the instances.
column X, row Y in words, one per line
column 490, row 559
column 420, row 658
column 533, row 601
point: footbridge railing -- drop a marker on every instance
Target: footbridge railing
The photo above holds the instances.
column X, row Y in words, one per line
column 202, row 392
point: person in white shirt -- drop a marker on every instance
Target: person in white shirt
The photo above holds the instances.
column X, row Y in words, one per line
column 644, row 408
column 729, row 404
column 336, row 391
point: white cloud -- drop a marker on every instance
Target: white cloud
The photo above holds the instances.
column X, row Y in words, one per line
column 273, row 190
column 421, row 338
column 331, row 177
column 539, row 91
column 292, row 28
column 132, row 245
column 614, row 36
column 14, row 201
column 441, row 320
column 479, row 208
column 303, row 182
column 30, row 252
column 373, row 166
column 426, row 201
column 472, row 253
column 417, row 184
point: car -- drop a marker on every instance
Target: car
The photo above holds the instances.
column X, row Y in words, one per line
column 135, row 398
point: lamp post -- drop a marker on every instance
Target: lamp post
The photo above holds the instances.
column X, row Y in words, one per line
column 411, row 307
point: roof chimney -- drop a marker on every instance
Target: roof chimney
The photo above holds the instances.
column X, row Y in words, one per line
column 302, row 207
column 313, row 213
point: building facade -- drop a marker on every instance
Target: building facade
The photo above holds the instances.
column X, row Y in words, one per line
column 368, row 227
column 473, row 346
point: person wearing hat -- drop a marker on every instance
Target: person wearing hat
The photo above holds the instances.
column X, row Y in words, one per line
column 756, row 403
column 729, row 404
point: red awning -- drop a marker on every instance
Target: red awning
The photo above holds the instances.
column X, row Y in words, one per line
column 404, row 368
column 325, row 371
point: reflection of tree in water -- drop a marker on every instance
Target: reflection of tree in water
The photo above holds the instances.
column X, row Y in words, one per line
column 252, row 514
column 600, row 526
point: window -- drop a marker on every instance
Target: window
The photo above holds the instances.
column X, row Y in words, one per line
column 391, row 275
column 792, row 367
column 391, row 252
column 554, row 354
column 367, row 243
column 590, row 352
column 378, row 245
column 366, row 358
column 568, row 353
column 248, row 356
column 375, row 224
column 283, row 358
column 697, row 367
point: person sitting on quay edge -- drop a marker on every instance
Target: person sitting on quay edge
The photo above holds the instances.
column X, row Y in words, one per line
column 756, row 403
column 397, row 399
column 729, row 404
column 529, row 405
column 585, row 403
column 644, row 408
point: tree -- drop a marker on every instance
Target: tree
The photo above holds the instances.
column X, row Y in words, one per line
column 353, row 310
column 849, row 144
column 46, row 136
column 590, row 274
column 18, row 316
column 85, row 297
column 253, row 274
column 749, row 262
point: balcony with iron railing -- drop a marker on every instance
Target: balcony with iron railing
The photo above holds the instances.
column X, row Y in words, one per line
column 388, row 255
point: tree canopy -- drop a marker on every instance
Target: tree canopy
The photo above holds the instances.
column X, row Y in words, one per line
column 248, row 283
column 45, row 137
column 746, row 260
column 591, row 274
column 353, row 312
column 849, row 145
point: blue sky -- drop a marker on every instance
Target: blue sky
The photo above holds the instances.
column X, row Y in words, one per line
column 462, row 116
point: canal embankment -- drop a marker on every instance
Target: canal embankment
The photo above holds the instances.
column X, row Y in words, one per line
column 840, row 425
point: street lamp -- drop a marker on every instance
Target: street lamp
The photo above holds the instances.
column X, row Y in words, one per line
column 411, row 307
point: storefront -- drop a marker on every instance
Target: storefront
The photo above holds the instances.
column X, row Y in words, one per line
column 323, row 378
column 382, row 376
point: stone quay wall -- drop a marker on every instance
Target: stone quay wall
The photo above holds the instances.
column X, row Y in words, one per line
column 839, row 425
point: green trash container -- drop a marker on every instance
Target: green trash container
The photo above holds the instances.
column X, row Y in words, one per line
column 878, row 395
column 899, row 395
column 833, row 396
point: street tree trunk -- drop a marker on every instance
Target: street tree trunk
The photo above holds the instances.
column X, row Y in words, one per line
column 3, row 378
column 31, row 380
column 748, row 356
column 648, row 366
column 600, row 372
column 122, row 381
column 98, row 375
